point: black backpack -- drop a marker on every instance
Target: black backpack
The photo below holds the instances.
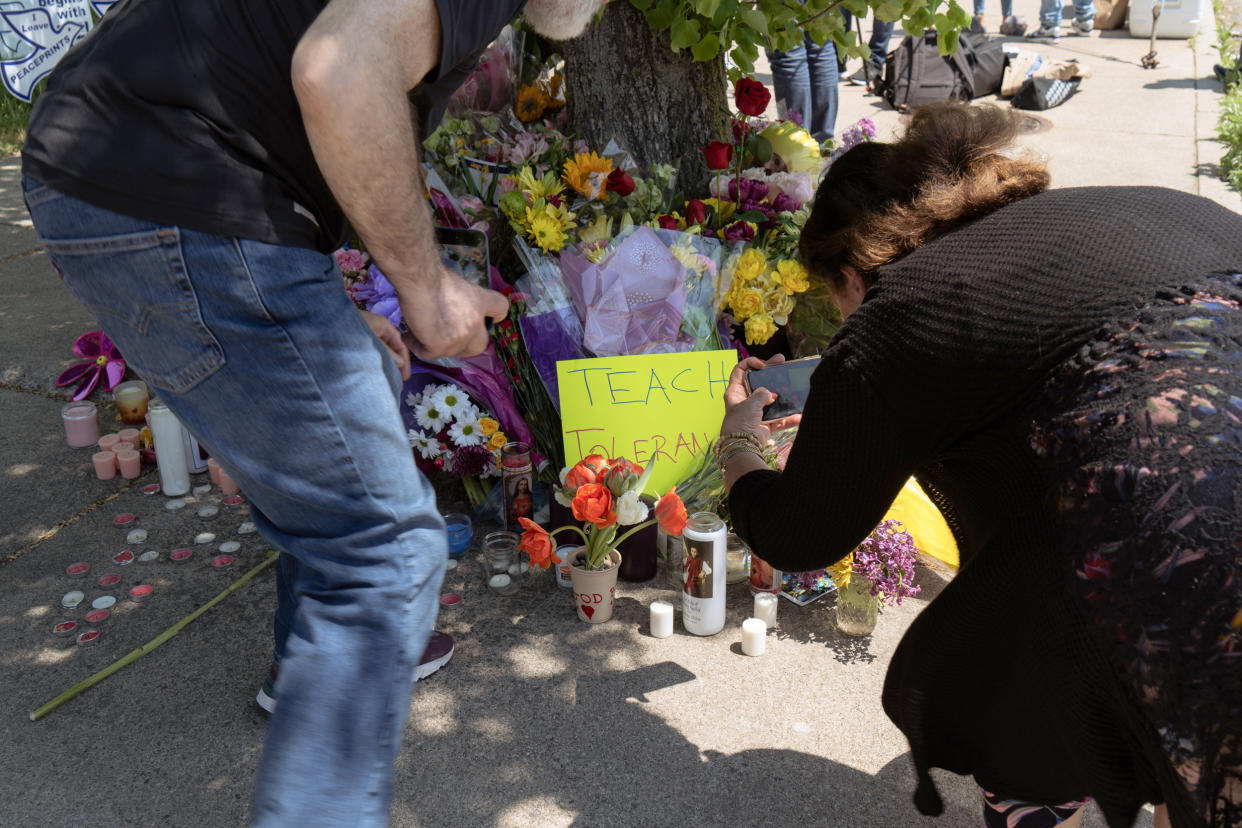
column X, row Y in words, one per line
column 916, row 74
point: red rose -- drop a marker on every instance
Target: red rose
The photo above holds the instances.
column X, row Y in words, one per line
column 718, row 155
column 696, row 211
column 667, row 222
column 620, row 183
column 593, row 504
column 751, row 96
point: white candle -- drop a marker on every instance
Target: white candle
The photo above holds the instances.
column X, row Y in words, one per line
column 754, row 636
column 661, row 619
column 499, row 581
column 765, row 608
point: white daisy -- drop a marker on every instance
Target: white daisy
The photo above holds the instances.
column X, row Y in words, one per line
column 430, row 415
column 424, row 445
column 452, row 400
column 630, row 509
column 467, row 433
column 493, row 469
column 412, row 400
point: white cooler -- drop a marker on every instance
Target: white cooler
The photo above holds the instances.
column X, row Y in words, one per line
column 1178, row 18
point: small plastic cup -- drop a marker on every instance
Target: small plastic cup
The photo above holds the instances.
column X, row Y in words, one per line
column 504, row 562
column 460, row 531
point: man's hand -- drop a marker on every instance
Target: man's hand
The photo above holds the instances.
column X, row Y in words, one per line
column 391, row 337
column 445, row 314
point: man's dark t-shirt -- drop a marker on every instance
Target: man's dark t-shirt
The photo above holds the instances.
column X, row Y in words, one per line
column 183, row 113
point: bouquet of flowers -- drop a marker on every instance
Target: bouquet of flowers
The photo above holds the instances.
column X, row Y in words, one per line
column 454, row 435
column 886, row 559
column 605, row 495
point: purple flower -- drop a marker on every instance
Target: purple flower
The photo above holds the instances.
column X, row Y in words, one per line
column 739, row 231
column 784, row 204
column 751, row 189
column 886, row 559
column 378, row 295
column 472, row 461
column 795, row 116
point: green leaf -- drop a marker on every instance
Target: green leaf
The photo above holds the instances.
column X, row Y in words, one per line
column 761, row 148
column 685, row 33
column 755, row 216
column 889, row 11
column 947, row 41
column 641, row 5
column 755, row 19
column 658, row 19
column 707, row 48
column 707, row 8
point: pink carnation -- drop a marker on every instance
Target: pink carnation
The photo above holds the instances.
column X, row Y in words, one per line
column 350, row 260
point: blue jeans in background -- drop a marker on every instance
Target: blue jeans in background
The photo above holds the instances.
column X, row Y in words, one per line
column 1050, row 13
column 1006, row 7
column 259, row 352
column 881, row 33
column 805, row 79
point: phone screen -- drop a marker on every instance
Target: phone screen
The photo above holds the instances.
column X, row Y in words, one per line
column 466, row 252
column 790, row 381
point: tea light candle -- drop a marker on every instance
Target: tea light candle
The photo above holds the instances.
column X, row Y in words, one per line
column 141, row 592
column 765, row 608
column 105, row 464
column 108, row 442
column 130, row 463
column 81, row 421
column 754, row 636
column 131, row 436
column 661, row 619
column 499, row 581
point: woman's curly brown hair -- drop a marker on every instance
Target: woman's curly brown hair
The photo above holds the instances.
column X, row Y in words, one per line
column 880, row 201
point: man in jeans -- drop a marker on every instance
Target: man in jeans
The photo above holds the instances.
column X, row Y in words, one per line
column 1050, row 20
column 190, row 168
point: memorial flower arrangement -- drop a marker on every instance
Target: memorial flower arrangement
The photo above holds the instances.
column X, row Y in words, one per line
column 886, row 559
column 453, row 434
column 604, row 495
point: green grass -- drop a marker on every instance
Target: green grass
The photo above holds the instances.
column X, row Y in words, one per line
column 1229, row 127
column 13, row 116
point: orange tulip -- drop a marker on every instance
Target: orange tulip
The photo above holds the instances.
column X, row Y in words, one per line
column 593, row 504
column 588, row 470
column 671, row 513
column 537, row 544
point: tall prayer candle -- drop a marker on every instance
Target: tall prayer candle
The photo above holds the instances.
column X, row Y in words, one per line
column 169, row 451
column 703, row 574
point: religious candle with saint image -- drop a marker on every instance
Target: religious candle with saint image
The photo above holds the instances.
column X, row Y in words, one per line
column 517, row 480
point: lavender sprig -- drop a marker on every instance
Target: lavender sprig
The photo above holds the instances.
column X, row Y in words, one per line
column 886, row 558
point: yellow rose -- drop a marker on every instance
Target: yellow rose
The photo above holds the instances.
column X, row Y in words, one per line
column 497, row 441
column 792, row 276
column 749, row 265
column 778, row 304
column 759, row 329
column 488, row 426
column 746, row 303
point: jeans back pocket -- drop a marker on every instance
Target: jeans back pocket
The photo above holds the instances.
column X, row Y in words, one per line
column 137, row 287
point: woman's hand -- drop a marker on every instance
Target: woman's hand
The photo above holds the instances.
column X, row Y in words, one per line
column 744, row 409
column 391, row 337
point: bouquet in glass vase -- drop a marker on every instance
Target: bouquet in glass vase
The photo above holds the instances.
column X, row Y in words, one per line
column 879, row 571
column 605, row 495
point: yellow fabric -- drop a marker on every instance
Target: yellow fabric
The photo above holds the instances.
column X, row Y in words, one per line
column 795, row 146
column 923, row 521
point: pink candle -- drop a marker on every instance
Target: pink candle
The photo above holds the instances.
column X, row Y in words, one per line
column 105, row 464
column 108, row 442
column 121, row 445
column 131, row 436
column 213, row 470
column 226, row 483
column 81, row 424
column 130, row 462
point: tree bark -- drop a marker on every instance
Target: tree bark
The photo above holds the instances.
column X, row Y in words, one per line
column 624, row 81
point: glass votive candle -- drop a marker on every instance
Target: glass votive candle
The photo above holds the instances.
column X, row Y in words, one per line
column 737, row 560
column 108, row 442
column 131, row 401
column 81, row 421
column 460, row 531
column 130, row 463
column 504, row 562
column 105, row 464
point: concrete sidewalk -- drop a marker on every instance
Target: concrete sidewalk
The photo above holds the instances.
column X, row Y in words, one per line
column 539, row 719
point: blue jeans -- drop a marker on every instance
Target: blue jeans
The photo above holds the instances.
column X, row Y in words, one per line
column 881, row 33
column 1050, row 13
column 259, row 352
column 806, row 78
column 1006, row 7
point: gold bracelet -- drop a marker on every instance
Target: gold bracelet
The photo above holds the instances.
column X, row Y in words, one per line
column 748, row 436
column 736, row 450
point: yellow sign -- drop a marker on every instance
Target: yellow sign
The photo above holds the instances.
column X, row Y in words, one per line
column 662, row 407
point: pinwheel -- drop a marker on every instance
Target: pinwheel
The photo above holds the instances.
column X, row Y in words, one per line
column 102, row 360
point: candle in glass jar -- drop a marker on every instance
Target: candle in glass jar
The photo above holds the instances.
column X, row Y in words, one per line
column 81, row 421
column 131, row 401
column 105, row 464
column 661, row 619
column 130, row 463
column 765, row 608
column 754, row 636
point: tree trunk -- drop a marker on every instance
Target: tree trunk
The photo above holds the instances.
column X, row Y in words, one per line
column 624, row 81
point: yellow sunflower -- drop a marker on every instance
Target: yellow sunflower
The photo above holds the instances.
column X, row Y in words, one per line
column 587, row 173
column 531, row 103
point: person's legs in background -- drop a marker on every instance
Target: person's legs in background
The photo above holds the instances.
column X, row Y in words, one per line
column 1084, row 17
column 1012, row 813
column 258, row 350
column 821, row 62
column 1049, row 20
column 791, row 82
